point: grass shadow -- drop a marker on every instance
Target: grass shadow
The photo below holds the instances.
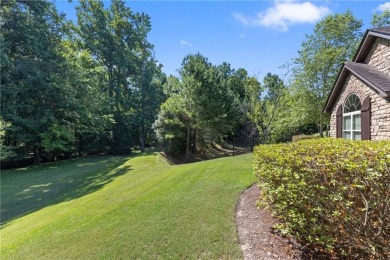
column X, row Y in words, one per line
column 27, row 190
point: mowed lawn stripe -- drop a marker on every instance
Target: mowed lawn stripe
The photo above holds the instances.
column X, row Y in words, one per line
column 151, row 210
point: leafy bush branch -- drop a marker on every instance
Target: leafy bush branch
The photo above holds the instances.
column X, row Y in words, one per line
column 331, row 193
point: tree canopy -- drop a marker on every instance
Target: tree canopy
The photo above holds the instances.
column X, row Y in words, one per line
column 94, row 85
column 333, row 41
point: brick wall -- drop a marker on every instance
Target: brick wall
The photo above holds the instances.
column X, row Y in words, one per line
column 380, row 108
column 379, row 56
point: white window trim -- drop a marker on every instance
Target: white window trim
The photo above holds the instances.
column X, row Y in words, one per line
column 352, row 114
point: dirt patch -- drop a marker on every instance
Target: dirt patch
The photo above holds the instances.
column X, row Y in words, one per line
column 256, row 236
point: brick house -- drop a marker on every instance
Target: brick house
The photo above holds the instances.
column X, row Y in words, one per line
column 359, row 102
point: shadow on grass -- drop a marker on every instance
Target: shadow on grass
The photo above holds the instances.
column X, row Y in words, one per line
column 27, row 190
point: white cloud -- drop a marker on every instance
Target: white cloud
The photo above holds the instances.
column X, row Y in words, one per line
column 241, row 36
column 185, row 43
column 284, row 14
column 383, row 7
column 242, row 19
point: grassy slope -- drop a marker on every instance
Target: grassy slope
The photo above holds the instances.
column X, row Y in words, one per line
column 145, row 208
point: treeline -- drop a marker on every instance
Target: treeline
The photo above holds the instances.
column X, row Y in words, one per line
column 74, row 88
column 211, row 102
column 94, row 86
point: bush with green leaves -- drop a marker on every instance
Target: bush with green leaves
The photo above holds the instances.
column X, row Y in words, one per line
column 330, row 193
column 296, row 138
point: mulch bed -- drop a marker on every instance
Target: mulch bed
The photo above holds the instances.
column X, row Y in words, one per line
column 256, row 236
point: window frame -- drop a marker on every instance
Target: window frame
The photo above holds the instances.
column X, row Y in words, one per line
column 352, row 115
column 351, row 130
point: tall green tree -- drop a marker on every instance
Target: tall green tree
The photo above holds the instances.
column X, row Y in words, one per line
column 234, row 82
column 149, row 96
column 210, row 100
column 87, row 79
column 266, row 102
column 116, row 37
column 173, row 125
column 147, row 86
column 38, row 107
column 382, row 19
column 333, row 41
column 201, row 104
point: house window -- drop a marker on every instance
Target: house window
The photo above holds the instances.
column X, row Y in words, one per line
column 352, row 118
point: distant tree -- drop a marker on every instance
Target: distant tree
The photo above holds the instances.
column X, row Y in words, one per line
column 250, row 105
column 211, row 101
column 6, row 151
column 149, row 95
column 265, row 103
column 234, row 82
column 117, row 38
column 380, row 20
column 201, row 105
column 334, row 41
column 173, row 125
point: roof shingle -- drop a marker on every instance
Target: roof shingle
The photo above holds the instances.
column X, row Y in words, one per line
column 377, row 79
column 382, row 30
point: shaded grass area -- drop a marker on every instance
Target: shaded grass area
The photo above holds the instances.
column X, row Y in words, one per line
column 147, row 209
column 29, row 189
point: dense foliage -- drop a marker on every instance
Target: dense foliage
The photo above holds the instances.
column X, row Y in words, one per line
column 331, row 193
column 208, row 103
column 379, row 20
column 333, row 41
column 74, row 88
column 93, row 85
column 202, row 106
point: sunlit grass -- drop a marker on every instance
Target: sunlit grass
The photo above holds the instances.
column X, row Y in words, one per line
column 142, row 207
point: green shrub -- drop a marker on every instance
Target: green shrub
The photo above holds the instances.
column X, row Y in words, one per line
column 331, row 193
column 297, row 138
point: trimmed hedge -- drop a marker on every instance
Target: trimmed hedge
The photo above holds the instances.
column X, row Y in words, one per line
column 297, row 138
column 330, row 193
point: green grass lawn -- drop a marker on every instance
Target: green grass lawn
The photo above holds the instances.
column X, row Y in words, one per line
column 136, row 207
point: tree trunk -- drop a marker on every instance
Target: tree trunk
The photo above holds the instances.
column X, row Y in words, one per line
column 327, row 129
column 80, row 146
column 143, row 98
column 321, row 129
column 194, row 141
column 143, row 137
column 37, row 156
column 110, row 86
column 188, row 142
column 263, row 134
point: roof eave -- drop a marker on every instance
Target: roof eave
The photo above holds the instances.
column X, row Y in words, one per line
column 386, row 94
column 368, row 39
column 341, row 78
column 362, row 43
column 366, row 81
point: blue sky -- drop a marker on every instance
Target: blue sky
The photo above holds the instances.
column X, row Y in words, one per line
column 258, row 36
